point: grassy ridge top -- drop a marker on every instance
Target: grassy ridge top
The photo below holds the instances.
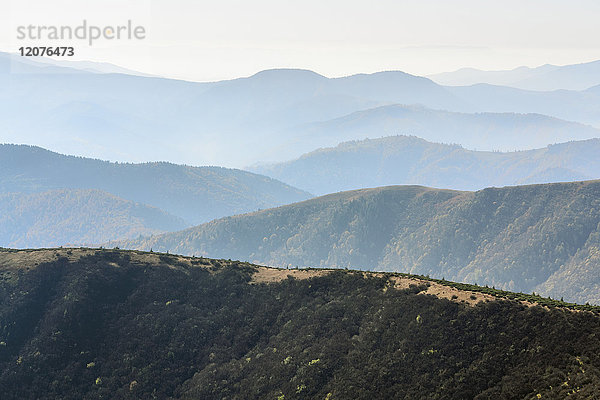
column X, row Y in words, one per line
column 15, row 259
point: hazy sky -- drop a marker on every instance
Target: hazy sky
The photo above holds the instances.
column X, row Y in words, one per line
column 210, row 40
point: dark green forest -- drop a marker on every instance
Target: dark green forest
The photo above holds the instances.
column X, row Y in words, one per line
column 111, row 324
column 542, row 238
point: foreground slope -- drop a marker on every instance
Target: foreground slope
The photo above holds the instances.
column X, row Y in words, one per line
column 196, row 194
column 410, row 160
column 113, row 324
column 77, row 216
column 516, row 238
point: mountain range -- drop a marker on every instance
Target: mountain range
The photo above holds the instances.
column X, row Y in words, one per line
column 544, row 78
column 233, row 123
column 52, row 199
column 41, row 189
column 541, row 238
column 474, row 131
column 425, row 290
column 410, row 160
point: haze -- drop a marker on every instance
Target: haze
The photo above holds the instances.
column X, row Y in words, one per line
column 231, row 38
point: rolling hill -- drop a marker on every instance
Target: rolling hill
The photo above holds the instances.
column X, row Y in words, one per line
column 195, row 194
column 76, row 216
column 82, row 323
column 522, row 238
column 410, row 160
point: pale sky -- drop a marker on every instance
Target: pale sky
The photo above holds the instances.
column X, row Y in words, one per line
column 212, row 40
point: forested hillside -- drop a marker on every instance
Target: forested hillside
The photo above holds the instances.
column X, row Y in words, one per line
column 409, row 160
column 523, row 238
column 77, row 216
column 82, row 323
column 195, row 194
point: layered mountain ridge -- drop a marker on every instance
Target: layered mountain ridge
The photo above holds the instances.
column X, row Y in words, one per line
column 410, row 160
column 540, row 238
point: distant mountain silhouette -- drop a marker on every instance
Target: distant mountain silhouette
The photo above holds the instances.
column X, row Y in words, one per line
column 239, row 122
column 479, row 131
column 410, row 160
column 546, row 77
